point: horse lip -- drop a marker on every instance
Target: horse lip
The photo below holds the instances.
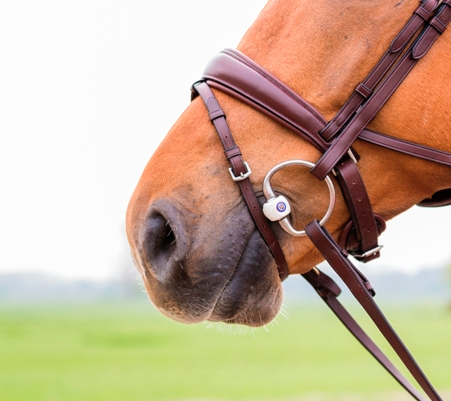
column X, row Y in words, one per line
column 230, row 279
column 253, row 290
column 226, row 285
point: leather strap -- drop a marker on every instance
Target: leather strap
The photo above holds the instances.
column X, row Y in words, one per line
column 435, row 28
column 408, row 148
column 366, row 88
column 361, row 289
column 233, row 154
column 348, row 237
column 368, row 111
column 329, row 291
column 237, row 75
column 359, row 206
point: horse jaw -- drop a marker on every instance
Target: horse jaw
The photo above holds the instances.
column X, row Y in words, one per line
column 191, row 236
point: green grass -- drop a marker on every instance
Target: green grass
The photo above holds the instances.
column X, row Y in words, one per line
column 127, row 352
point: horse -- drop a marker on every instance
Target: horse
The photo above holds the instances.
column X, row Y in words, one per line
column 191, row 237
column 196, row 245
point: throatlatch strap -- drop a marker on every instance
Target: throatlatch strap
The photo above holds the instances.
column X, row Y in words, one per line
column 361, row 289
column 239, row 170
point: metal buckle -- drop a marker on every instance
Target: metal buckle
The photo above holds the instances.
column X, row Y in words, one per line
column 368, row 253
column 242, row 176
column 353, row 158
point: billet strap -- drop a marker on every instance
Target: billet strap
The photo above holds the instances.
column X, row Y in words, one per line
column 362, row 291
column 364, row 90
column 241, row 172
column 329, row 291
column 377, row 100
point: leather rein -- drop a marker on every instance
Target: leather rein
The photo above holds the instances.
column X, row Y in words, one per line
column 237, row 75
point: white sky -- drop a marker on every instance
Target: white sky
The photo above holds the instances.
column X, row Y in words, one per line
column 87, row 91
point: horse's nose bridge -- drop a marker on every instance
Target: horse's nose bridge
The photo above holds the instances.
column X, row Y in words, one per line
column 164, row 239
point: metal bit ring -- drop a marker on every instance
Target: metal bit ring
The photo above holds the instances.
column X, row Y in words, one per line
column 279, row 205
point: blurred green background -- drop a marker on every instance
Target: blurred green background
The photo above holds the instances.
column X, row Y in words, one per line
column 115, row 347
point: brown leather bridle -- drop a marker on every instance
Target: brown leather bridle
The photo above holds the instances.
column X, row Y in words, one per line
column 237, row 75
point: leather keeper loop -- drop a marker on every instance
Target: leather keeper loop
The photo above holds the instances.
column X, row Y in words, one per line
column 424, row 14
column 363, row 90
column 370, row 288
column 438, row 25
column 232, row 152
column 216, row 114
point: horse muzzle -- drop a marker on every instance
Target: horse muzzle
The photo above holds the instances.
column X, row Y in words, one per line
column 196, row 268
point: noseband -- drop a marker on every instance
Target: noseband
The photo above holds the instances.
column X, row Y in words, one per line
column 237, row 75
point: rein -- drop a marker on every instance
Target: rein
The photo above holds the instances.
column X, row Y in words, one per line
column 237, row 75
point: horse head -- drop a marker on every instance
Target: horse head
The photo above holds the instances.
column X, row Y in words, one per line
column 191, row 234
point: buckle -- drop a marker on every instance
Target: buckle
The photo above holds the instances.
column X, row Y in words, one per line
column 368, row 253
column 242, row 176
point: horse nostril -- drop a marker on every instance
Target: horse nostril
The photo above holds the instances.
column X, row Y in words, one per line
column 163, row 240
column 168, row 240
column 160, row 240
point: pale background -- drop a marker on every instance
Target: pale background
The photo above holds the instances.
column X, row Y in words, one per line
column 87, row 91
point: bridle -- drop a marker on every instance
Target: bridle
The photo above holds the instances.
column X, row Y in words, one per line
column 237, row 75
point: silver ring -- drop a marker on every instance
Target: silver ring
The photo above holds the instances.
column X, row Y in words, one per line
column 269, row 194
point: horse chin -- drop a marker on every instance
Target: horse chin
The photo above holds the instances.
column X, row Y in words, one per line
column 253, row 295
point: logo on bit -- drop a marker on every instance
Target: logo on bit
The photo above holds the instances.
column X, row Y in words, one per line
column 281, row 207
